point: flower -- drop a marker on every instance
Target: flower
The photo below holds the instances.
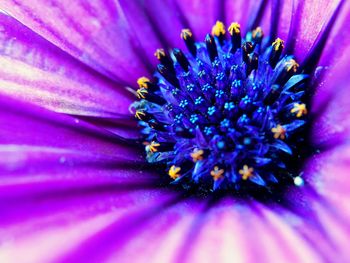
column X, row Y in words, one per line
column 222, row 105
column 74, row 185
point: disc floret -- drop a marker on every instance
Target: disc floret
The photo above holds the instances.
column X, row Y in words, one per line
column 228, row 113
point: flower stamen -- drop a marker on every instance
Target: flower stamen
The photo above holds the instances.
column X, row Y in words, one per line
column 174, row 172
column 140, row 114
column 246, row 172
column 236, row 39
column 143, row 82
column 278, row 44
column 159, row 53
column 197, row 155
column 217, row 173
column 279, row 132
column 218, row 29
column 292, row 65
column 141, row 93
column 300, row 109
column 153, row 147
column 257, row 35
column 187, row 36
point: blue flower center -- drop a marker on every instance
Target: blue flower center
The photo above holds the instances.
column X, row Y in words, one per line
column 228, row 114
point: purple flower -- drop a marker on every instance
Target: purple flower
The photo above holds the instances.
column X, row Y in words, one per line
column 74, row 182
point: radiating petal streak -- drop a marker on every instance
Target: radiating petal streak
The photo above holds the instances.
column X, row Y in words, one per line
column 120, row 232
column 59, row 24
column 313, row 56
column 34, row 70
column 275, row 14
column 256, row 18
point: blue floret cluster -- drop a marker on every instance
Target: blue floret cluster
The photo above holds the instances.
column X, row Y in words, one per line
column 229, row 113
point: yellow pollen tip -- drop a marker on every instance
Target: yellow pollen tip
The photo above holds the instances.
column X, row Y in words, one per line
column 278, row 44
column 234, row 28
column 153, row 146
column 279, row 132
column 142, row 82
column 246, row 172
column 139, row 114
column 197, row 155
column 174, row 172
column 185, row 33
column 217, row 173
column 292, row 65
column 218, row 29
column 257, row 32
column 159, row 53
column 141, row 93
column 300, row 109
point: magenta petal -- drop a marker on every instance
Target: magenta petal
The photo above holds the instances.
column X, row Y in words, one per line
column 96, row 33
column 141, row 31
column 251, row 14
column 242, row 232
column 36, row 71
column 328, row 173
column 307, row 21
column 22, row 124
column 71, row 222
column 165, row 15
column 239, row 232
column 134, row 231
column 201, row 15
column 331, row 108
column 62, row 178
column 327, row 176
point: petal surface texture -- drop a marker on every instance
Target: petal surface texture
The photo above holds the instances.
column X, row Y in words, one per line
column 74, row 186
column 34, row 70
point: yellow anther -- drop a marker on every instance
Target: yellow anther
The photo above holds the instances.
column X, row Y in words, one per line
column 141, row 93
column 218, row 29
column 174, row 172
column 143, row 82
column 279, row 132
column 234, row 28
column 291, row 65
column 197, row 155
column 246, row 172
column 217, row 173
column 139, row 114
column 153, row 146
column 278, row 44
column 159, row 53
column 257, row 33
column 185, row 33
column 300, row 109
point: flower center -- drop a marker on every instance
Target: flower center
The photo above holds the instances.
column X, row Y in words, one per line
column 228, row 114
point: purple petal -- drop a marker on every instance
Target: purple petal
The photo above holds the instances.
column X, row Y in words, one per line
column 328, row 172
column 201, row 15
column 242, row 232
column 330, row 107
column 160, row 223
column 95, row 32
column 22, row 124
column 330, row 104
column 36, row 71
column 62, row 178
column 308, row 19
column 233, row 12
column 70, row 223
column 162, row 18
column 327, row 175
